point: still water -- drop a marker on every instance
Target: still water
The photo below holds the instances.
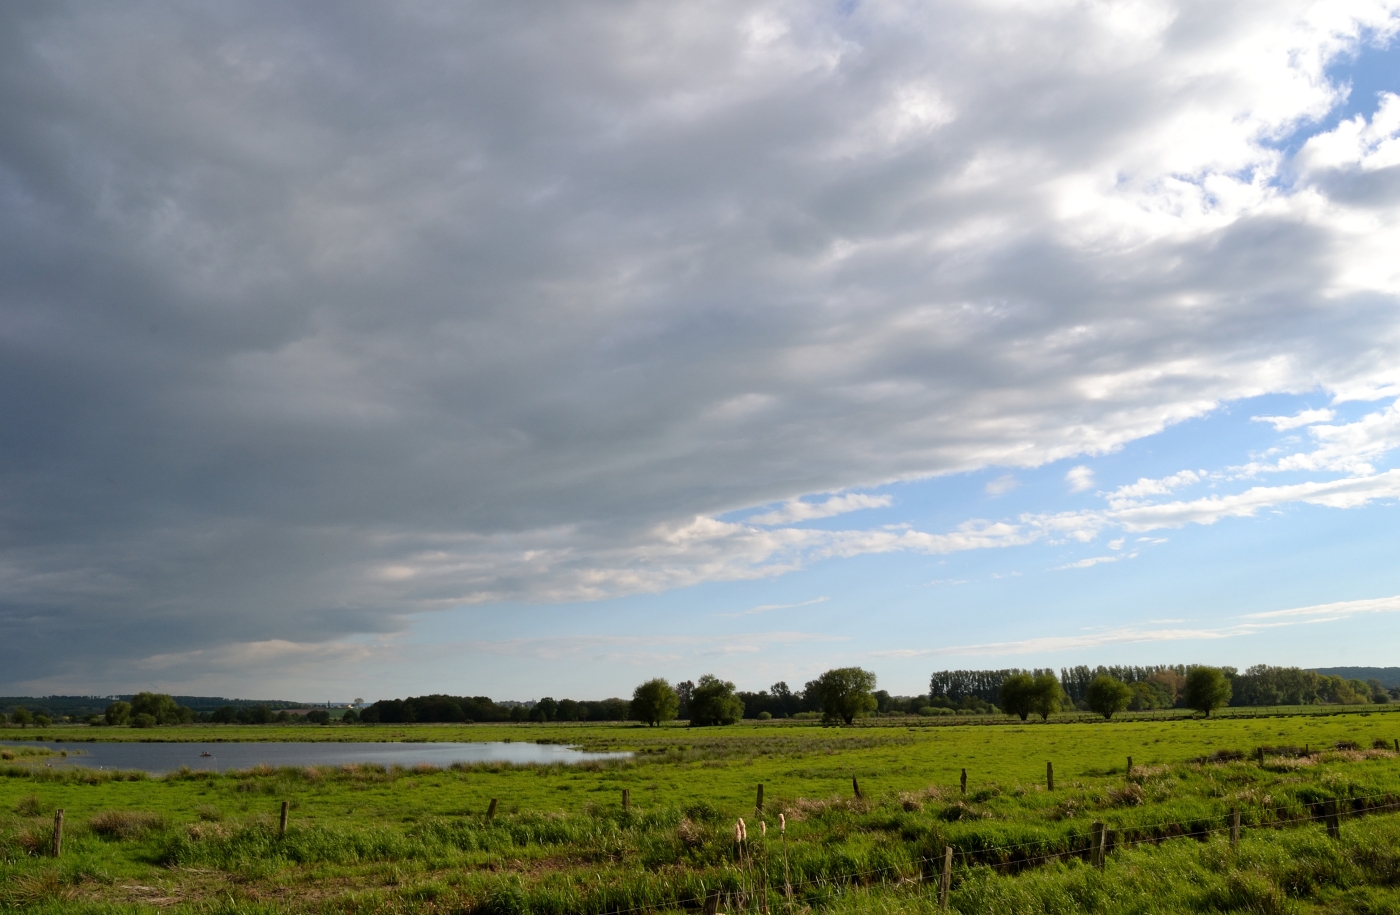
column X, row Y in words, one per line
column 157, row 758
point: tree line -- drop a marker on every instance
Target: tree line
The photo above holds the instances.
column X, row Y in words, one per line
column 1162, row 686
column 838, row 696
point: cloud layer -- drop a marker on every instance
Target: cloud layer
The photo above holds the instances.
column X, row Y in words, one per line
column 316, row 317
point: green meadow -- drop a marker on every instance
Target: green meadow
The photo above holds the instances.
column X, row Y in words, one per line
column 369, row 839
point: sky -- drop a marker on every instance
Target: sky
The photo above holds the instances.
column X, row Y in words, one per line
column 365, row 350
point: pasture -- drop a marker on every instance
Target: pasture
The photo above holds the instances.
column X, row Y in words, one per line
column 362, row 839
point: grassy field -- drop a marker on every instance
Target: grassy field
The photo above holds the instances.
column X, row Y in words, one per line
column 368, row 839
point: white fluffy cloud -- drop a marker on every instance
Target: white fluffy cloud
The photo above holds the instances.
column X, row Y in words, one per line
column 327, row 315
column 797, row 510
column 1245, row 625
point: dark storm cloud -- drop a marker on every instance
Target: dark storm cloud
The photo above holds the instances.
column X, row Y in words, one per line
column 316, row 316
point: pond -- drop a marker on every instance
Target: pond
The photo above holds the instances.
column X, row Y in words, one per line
column 158, row 758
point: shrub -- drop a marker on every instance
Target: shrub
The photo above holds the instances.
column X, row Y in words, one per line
column 765, row 716
column 1207, row 689
column 845, row 693
column 125, row 824
column 143, row 720
column 1047, row 695
column 1018, row 695
column 161, row 707
column 1107, row 695
column 29, row 806
column 22, row 716
column 118, row 713
column 714, row 702
column 654, row 701
column 43, row 721
column 318, row 716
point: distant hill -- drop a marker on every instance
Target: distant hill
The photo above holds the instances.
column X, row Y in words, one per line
column 86, row 705
column 1389, row 676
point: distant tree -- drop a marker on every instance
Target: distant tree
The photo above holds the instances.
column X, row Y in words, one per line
column 1147, row 695
column 4, row 719
column 1378, row 692
column 612, row 709
column 1207, row 689
column 1047, row 696
column 548, row 709
column 22, row 716
column 684, row 690
column 350, row 717
column 785, row 702
column 143, row 720
column 224, row 714
column 713, row 702
column 846, row 692
column 163, row 708
column 118, row 713
column 568, row 710
column 1170, row 683
column 43, row 721
column 318, row 716
column 654, row 702
column 1107, row 695
column 258, row 714
column 1018, row 695
column 765, row 716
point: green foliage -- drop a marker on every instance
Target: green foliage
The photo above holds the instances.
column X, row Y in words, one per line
column 1018, row 695
column 1207, row 689
column 845, row 693
column 160, row 707
column 118, row 713
column 144, row 720
column 1046, row 695
column 1107, row 696
column 713, row 702
column 43, row 721
column 21, row 716
column 1150, row 694
column 369, row 838
column 654, row 702
column 318, row 716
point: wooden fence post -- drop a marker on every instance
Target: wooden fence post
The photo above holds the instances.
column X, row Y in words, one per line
column 1097, row 837
column 945, row 883
column 1261, row 756
column 855, row 785
column 282, row 825
column 491, row 811
column 1130, row 767
column 1234, row 828
column 758, row 804
column 964, row 781
column 1397, row 745
column 1049, row 776
column 58, row 832
column 626, row 798
column 1334, row 822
